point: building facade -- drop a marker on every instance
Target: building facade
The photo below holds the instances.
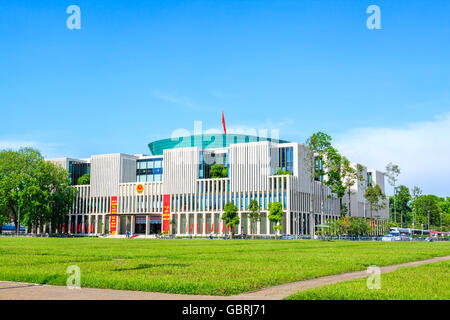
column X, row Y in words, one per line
column 172, row 191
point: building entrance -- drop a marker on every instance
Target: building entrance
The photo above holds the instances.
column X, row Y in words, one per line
column 155, row 228
column 139, row 227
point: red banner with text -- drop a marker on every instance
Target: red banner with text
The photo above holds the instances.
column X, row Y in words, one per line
column 166, row 214
column 113, row 218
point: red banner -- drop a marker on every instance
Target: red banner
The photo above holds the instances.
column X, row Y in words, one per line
column 166, row 214
column 113, row 218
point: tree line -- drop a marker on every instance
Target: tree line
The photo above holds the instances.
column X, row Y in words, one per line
column 33, row 192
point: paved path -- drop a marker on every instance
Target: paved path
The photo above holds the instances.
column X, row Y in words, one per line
column 28, row 291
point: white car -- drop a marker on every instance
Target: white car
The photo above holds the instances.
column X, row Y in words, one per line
column 391, row 237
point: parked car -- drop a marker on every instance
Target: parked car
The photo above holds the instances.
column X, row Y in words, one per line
column 387, row 237
column 391, row 237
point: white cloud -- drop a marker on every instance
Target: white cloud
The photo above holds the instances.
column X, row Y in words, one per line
column 421, row 149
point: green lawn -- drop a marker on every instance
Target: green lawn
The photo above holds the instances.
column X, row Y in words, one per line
column 216, row 267
column 430, row 281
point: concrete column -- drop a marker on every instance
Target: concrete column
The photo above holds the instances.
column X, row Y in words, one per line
column 240, row 222
column 221, row 224
column 178, row 223
column 96, row 224
column 132, row 222
column 147, row 224
column 103, row 224
column 82, row 223
column 194, row 228
column 267, row 223
column 117, row 224
column 258, row 227
column 204, row 231
column 288, row 222
column 69, row 225
column 76, row 224
column 213, row 222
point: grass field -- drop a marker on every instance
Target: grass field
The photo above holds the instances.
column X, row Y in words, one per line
column 189, row 266
column 431, row 281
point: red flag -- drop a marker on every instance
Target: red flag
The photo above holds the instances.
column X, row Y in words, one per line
column 92, row 228
column 207, row 227
column 192, row 226
column 212, row 227
column 223, row 227
column 79, row 228
column 228, row 229
column 373, row 223
column 218, row 227
column 223, row 123
column 197, row 227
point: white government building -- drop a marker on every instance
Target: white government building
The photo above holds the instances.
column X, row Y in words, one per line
column 177, row 175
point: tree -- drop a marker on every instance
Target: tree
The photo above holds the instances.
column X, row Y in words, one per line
column 218, row 171
column 317, row 144
column 41, row 189
column 358, row 226
column 230, row 216
column 376, row 198
column 429, row 210
column 16, row 168
column 254, row 215
column 350, row 176
column 416, row 193
column 334, row 179
column 84, row 179
column 403, row 204
column 392, row 172
column 276, row 215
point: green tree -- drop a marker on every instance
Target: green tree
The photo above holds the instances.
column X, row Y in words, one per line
column 317, row 145
column 334, row 179
column 350, row 176
column 254, row 215
column 218, row 171
column 376, row 198
column 230, row 216
column 416, row 193
column 392, row 173
column 429, row 210
column 84, row 179
column 41, row 189
column 276, row 216
column 403, row 200
column 16, row 169
column 358, row 226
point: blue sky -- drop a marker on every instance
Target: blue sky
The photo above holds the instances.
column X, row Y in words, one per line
column 137, row 70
